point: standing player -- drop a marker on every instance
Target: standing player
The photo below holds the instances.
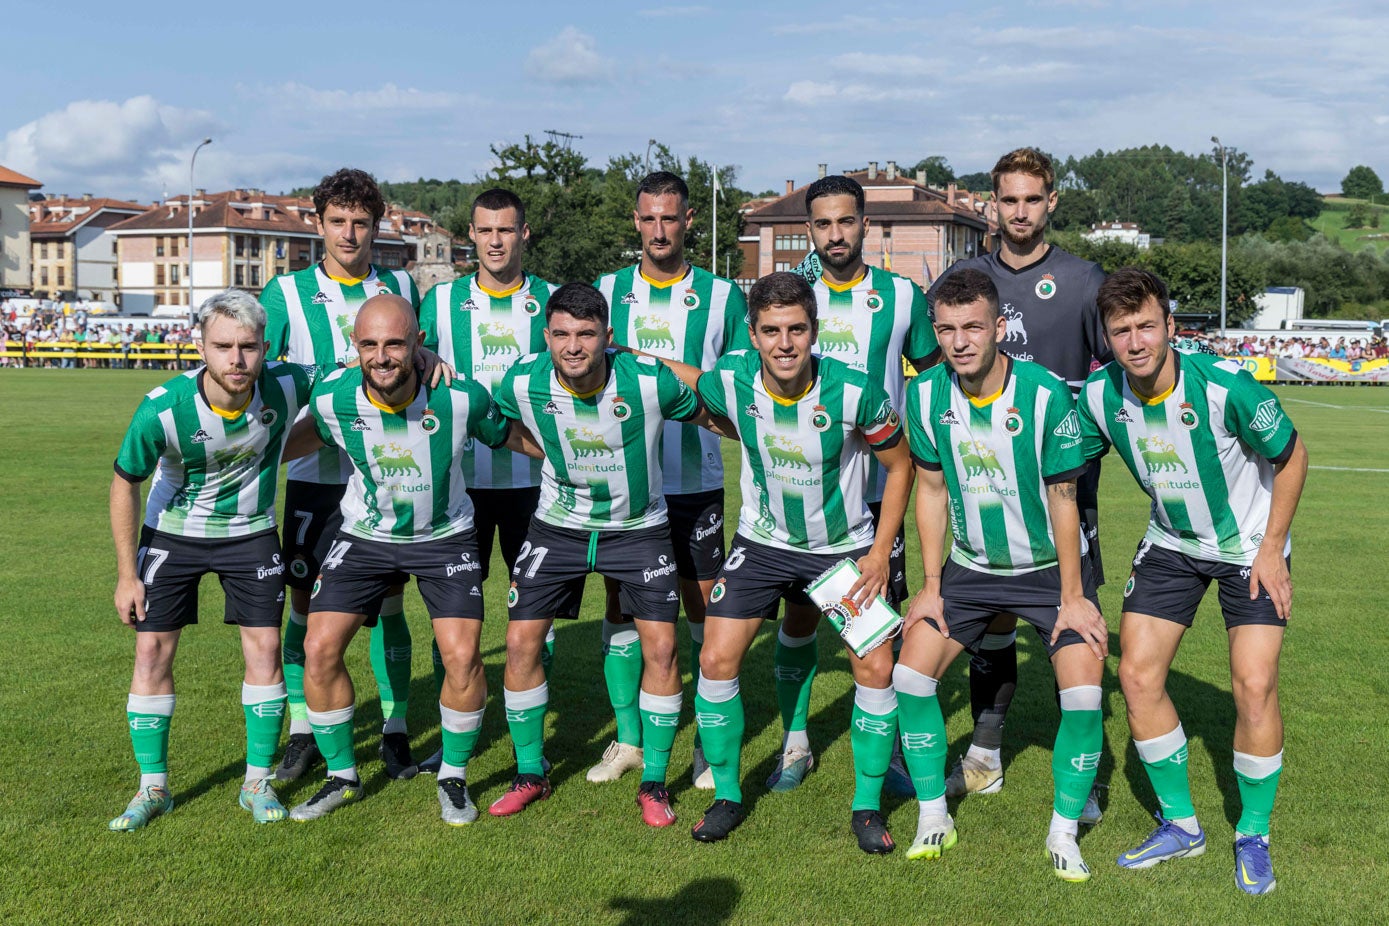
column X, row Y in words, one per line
column 311, row 312
column 599, row 415
column 481, row 324
column 1047, row 298
column 869, row 319
column 668, row 308
column 212, row 439
column 1224, row 468
column 997, row 449
column 808, row 427
column 406, row 512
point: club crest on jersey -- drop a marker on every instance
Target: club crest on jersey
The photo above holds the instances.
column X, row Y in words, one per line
column 200, row 436
column 691, row 300
column 1122, row 416
column 629, row 299
column 359, row 424
column 551, row 408
column 1188, row 416
column 1012, row 421
column 948, row 417
column 430, row 422
column 512, row 596
column 621, row 410
column 820, row 419
column 874, row 302
column 320, row 298
column 468, row 305
column 382, row 289
column 268, row 417
column 720, row 589
column 1046, row 287
column 531, row 306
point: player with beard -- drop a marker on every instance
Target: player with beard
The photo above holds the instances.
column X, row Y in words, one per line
column 1047, row 298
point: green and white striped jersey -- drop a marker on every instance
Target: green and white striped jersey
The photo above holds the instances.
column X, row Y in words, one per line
column 407, row 484
column 694, row 320
column 871, row 326
column 1205, row 453
column 998, row 458
column 214, row 475
column 482, row 335
column 602, row 466
column 805, row 462
column 308, row 321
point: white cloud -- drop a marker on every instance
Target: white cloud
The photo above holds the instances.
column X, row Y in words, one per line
column 571, row 57
column 820, row 93
column 386, row 97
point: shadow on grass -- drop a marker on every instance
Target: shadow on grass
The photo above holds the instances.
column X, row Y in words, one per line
column 706, row 901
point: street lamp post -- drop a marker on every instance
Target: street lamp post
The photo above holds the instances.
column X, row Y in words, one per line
column 1224, row 226
column 192, row 310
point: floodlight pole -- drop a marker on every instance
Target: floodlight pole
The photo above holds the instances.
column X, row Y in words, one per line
column 192, row 312
column 1224, row 227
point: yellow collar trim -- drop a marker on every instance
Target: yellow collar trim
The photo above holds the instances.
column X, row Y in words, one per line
column 229, row 414
column 347, row 281
column 662, row 284
column 1157, row 399
column 794, row 399
column 580, row 395
column 845, row 287
column 509, row 292
column 981, row 401
column 393, row 409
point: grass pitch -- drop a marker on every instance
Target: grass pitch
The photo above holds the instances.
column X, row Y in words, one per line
column 584, row 856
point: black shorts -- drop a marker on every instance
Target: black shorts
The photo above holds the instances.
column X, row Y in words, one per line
column 897, row 561
column 251, row 570
column 505, row 513
column 696, row 533
column 1170, row 585
column 357, row 575
column 1088, row 502
column 756, row 577
column 548, row 578
column 973, row 599
column 313, row 517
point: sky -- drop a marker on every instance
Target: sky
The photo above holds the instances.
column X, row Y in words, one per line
column 112, row 98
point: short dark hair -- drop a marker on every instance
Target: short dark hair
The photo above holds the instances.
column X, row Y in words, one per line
column 965, row 286
column 349, row 188
column 1126, row 289
column 498, row 199
column 781, row 288
column 580, row 300
column 663, row 183
column 834, row 185
column 1028, row 161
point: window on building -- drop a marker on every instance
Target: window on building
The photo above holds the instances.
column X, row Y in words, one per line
column 240, row 275
column 174, row 246
column 782, row 265
column 115, row 247
column 174, row 274
column 43, row 250
column 255, row 276
column 240, row 245
column 43, row 276
column 255, row 247
column 158, row 274
column 791, row 243
column 62, row 276
column 158, row 247
column 115, row 275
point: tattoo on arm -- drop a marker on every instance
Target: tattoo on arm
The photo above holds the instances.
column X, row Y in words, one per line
column 1065, row 490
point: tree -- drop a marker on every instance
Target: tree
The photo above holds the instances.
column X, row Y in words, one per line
column 978, row 182
column 1358, row 216
column 1361, row 183
column 938, row 172
column 1075, row 209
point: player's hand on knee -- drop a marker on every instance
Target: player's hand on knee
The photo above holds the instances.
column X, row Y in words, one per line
column 1084, row 618
column 926, row 604
column 1271, row 571
column 872, row 581
column 130, row 601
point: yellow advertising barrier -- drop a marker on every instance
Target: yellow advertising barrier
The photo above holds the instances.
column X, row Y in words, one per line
column 1261, row 368
column 73, row 350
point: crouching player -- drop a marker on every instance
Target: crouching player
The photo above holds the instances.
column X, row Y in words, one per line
column 212, row 439
column 1224, row 468
column 808, row 427
column 406, row 512
column 997, row 449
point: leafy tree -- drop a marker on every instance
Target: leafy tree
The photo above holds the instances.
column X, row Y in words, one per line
column 1361, row 183
column 1289, row 228
column 938, row 172
column 977, row 182
column 1075, row 209
column 1358, row 216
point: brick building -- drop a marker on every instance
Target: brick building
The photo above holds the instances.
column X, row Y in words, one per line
column 73, row 254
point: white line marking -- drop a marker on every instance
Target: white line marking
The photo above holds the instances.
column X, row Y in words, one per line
column 1346, row 408
column 1350, row 469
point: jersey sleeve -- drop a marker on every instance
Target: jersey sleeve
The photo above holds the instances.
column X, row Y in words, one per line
column 1094, row 442
column 710, row 385
column 877, row 419
column 1254, row 414
column 1093, row 332
column 921, row 335
column 320, row 400
column 143, row 445
column 505, row 394
column 412, row 292
column 303, row 384
column 429, row 318
column 272, row 299
column 485, row 419
column 678, row 401
column 735, row 321
column 919, row 436
column 1062, row 456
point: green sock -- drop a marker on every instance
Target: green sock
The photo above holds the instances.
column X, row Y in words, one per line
column 872, row 730
column 148, row 718
column 332, row 731
column 292, row 653
column 525, row 718
column 622, row 671
column 264, row 707
column 660, row 718
column 1256, row 793
column 390, row 661
column 459, row 731
column 794, row 667
column 924, row 745
column 1075, row 759
column 547, row 653
column 721, row 730
column 1165, row 760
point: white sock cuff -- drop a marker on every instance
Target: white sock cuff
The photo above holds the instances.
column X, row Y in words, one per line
column 523, row 700
column 875, row 701
column 395, row 604
column 296, row 618
column 259, row 694
column 658, row 704
column 697, row 632
column 909, row 681
column 1257, row 767
column 1160, row 747
column 717, row 691
column 622, row 638
column 459, row 721
column 793, row 642
column 550, row 634
column 998, row 640
column 329, row 718
column 1082, row 698
column 160, row 705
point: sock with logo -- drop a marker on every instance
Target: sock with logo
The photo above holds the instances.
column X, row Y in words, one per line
column 1075, row 758
column 719, row 716
column 922, row 730
column 459, row 730
column 332, row 731
column 1165, row 760
column 622, row 671
column 794, row 664
column 391, row 650
column 993, row 678
column 872, row 731
column 1258, row 786
column 660, row 717
column 148, row 718
column 292, row 655
column 525, row 718
column 264, row 707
